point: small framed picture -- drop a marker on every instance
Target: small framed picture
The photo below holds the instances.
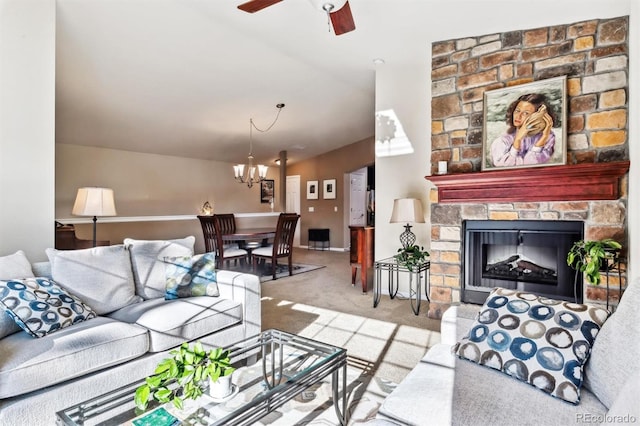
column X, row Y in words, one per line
column 329, row 189
column 266, row 191
column 312, row 190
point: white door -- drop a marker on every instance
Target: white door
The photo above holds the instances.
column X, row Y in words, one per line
column 358, row 198
column 293, row 203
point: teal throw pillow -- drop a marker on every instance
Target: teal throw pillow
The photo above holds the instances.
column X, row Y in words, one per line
column 541, row 341
column 40, row 307
column 189, row 276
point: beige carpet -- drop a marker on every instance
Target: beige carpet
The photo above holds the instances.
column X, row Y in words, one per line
column 385, row 342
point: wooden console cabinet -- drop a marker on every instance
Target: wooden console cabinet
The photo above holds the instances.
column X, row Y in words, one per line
column 362, row 239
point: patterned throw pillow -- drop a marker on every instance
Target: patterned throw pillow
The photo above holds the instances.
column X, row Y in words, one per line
column 39, row 306
column 189, row 276
column 538, row 340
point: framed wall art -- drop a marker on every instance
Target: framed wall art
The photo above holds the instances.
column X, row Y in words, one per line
column 312, row 190
column 525, row 125
column 266, row 190
column 329, row 192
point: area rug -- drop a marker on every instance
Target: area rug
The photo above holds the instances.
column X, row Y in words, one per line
column 283, row 270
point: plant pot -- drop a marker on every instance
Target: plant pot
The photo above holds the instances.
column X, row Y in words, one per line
column 221, row 388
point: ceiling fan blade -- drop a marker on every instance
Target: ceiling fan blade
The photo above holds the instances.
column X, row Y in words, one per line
column 256, row 5
column 342, row 20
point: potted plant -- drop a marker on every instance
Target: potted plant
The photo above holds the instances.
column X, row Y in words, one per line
column 185, row 374
column 593, row 256
column 411, row 256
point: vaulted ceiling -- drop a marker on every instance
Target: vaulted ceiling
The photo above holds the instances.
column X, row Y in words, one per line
column 183, row 77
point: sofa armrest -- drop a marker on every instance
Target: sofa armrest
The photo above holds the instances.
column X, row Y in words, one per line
column 245, row 289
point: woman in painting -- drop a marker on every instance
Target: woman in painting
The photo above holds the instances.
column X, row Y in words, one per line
column 529, row 138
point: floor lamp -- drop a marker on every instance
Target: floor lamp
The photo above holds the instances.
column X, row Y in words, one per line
column 94, row 202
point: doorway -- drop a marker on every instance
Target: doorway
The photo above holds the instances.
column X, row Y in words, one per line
column 360, row 199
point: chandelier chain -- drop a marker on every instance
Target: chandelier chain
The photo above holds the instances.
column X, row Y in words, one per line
column 252, row 126
column 239, row 170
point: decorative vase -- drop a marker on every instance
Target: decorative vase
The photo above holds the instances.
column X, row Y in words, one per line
column 221, row 388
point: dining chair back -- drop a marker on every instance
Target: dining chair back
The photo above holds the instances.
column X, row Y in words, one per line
column 209, row 233
column 282, row 243
column 212, row 229
column 227, row 222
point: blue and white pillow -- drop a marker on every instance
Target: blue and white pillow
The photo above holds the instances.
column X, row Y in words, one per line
column 40, row 307
column 541, row 341
column 189, row 276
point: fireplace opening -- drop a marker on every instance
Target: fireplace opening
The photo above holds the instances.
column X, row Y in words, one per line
column 527, row 255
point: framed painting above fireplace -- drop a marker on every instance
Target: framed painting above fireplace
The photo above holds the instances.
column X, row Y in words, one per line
column 525, row 125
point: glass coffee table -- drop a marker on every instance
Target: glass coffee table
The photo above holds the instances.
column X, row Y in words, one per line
column 279, row 367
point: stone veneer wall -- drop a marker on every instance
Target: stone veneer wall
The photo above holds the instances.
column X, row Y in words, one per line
column 594, row 57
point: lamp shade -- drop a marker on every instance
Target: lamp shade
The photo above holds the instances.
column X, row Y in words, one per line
column 94, row 202
column 407, row 210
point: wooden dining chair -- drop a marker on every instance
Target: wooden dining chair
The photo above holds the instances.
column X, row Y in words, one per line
column 227, row 222
column 212, row 231
column 282, row 243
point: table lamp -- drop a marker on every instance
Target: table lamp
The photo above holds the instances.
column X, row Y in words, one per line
column 407, row 210
column 94, row 202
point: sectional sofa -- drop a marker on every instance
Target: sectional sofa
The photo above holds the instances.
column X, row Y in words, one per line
column 117, row 325
column 447, row 389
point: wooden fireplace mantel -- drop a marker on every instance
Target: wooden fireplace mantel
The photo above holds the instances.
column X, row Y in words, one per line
column 576, row 182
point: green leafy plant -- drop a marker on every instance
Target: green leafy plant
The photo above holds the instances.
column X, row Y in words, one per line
column 592, row 257
column 183, row 375
column 411, row 256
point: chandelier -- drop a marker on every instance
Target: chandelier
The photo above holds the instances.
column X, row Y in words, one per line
column 239, row 170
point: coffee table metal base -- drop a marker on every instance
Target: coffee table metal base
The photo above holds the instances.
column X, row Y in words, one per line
column 282, row 366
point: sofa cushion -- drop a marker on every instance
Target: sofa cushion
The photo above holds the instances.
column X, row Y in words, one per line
column 147, row 260
column 172, row 322
column 191, row 276
column 616, row 352
column 625, row 407
column 15, row 265
column 425, row 395
column 29, row 364
column 41, row 307
column 7, row 325
column 99, row 276
column 538, row 340
column 484, row 396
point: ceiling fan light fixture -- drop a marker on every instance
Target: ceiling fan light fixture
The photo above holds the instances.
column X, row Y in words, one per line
column 328, row 5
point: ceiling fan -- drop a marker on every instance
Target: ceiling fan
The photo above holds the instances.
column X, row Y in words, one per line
column 338, row 11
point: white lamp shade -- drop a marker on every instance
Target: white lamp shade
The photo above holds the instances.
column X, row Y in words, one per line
column 94, row 202
column 407, row 210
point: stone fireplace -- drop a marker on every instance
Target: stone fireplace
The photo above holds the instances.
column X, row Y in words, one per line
column 599, row 207
column 591, row 188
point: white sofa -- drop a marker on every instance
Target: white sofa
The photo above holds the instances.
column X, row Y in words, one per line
column 40, row 376
column 445, row 390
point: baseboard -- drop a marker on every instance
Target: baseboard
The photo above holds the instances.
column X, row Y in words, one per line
column 340, row 249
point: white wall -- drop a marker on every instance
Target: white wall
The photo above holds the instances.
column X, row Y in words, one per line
column 27, row 112
column 407, row 91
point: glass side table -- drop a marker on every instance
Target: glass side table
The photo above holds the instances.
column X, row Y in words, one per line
column 419, row 274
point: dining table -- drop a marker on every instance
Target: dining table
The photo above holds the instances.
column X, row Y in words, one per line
column 244, row 235
column 250, row 239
